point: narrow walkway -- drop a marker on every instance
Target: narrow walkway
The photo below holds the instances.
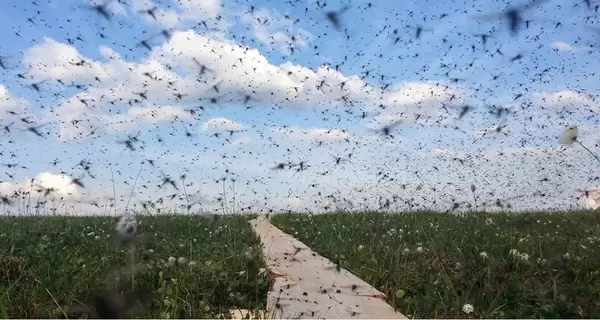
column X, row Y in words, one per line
column 307, row 285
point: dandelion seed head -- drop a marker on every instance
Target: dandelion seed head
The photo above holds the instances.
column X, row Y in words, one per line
column 126, row 226
column 569, row 135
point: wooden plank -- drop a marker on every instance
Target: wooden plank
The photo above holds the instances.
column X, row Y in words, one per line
column 307, row 285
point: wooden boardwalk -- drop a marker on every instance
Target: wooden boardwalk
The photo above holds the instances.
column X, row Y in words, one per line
column 307, row 285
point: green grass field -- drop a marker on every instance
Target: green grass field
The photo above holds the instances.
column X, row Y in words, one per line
column 48, row 265
column 430, row 265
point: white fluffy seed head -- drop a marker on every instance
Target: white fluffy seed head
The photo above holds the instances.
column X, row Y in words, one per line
column 569, row 135
column 126, row 226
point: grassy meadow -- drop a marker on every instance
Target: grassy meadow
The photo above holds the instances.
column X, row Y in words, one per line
column 430, row 265
column 183, row 266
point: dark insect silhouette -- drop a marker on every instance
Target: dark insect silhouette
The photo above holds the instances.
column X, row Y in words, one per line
column 168, row 180
column 203, row 68
column 150, row 12
column 77, row 182
column 35, row 130
column 513, row 15
column 387, row 130
column 2, row 62
column 335, row 16
column 484, row 37
column 464, row 110
column 102, row 9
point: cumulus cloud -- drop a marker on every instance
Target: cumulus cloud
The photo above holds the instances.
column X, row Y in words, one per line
column 8, row 103
column 237, row 75
column 568, row 100
column 241, row 141
column 221, row 125
column 60, row 186
column 314, row 134
column 291, row 204
column 181, row 12
column 565, row 47
column 155, row 115
column 277, row 31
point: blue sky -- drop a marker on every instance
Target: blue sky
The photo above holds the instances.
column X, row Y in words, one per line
column 377, row 50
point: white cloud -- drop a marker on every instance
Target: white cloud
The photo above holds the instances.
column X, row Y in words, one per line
column 242, row 141
column 565, row 47
column 314, row 134
column 156, row 115
column 567, row 98
column 243, row 75
column 221, row 125
column 562, row 46
column 60, row 184
column 10, row 103
column 183, row 11
column 56, row 61
column 291, row 203
column 273, row 29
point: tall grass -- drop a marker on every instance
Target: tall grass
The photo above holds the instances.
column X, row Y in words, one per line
column 186, row 266
column 431, row 265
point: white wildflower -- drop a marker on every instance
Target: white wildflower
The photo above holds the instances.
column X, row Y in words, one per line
column 489, row 221
column 483, row 254
column 150, row 251
column 90, row 234
column 192, row 263
column 181, row 260
column 360, row 247
column 566, row 255
column 467, row 308
column 419, row 249
column 171, row 260
column 523, row 256
column 513, row 252
column 97, row 237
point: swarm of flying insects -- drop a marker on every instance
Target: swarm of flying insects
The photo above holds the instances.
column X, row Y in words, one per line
column 147, row 143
